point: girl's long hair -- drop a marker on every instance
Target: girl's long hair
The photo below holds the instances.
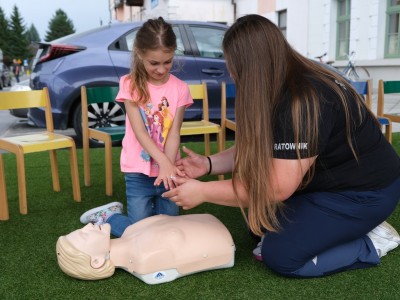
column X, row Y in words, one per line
column 264, row 67
column 154, row 34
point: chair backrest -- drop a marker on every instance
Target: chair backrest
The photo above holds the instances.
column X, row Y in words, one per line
column 228, row 91
column 101, row 94
column 199, row 92
column 29, row 99
column 364, row 89
column 92, row 95
column 386, row 87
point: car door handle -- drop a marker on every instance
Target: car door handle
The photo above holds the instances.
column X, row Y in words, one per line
column 213, row 72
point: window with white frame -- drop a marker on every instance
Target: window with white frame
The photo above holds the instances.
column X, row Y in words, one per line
column 342, row 29
column 392, row 40
column 282, row 21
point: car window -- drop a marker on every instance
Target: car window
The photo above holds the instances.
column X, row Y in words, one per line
column 208, row 41
column 130, row 38
column 180, row 49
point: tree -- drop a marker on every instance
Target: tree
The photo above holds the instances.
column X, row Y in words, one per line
column 18, row 45
column 60, row 25
column 4, row 37
column 32, row 34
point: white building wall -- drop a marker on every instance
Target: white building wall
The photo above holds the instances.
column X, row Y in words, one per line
column 205, row 10
column 246, row 7
column 311, row 25
column 311, row 30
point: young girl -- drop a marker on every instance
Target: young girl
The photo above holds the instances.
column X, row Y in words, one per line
column 148, row 153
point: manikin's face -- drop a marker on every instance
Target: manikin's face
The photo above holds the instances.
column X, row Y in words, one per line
column 93, row 240
column 157, row 63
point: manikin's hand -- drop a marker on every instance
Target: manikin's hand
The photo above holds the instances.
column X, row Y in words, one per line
column 193, row 165
column 187, row 194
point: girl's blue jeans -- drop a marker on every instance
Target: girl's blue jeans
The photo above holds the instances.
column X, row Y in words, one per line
column 143, row 200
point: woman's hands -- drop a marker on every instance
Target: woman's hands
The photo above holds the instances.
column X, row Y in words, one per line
column 193, row 165
column 188, row 193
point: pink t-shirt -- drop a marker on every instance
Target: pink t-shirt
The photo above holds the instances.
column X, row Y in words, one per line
column 158, row 115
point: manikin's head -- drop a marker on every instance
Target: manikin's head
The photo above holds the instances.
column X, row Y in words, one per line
column 84, row 253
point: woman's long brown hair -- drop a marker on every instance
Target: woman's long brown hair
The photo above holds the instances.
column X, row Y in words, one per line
column 264, row 66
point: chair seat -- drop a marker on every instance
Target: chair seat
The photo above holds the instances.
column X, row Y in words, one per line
column 199, row 127
column 37, row 142
column 116, row 133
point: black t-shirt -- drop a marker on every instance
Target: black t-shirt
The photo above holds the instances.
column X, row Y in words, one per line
column 336, row 168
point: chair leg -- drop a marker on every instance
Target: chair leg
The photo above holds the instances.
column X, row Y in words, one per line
column 4, row 214
column 54, row 171
column 223, row 134
column 207, row 144
column 23, row 206
column 108, row 166
column 86, row 161
column 76, row 189
column 220, row 142
column 388, row 132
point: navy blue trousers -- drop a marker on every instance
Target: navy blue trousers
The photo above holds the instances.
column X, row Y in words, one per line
column 324, row 233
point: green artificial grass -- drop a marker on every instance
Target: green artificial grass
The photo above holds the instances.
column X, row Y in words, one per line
column 29, row 270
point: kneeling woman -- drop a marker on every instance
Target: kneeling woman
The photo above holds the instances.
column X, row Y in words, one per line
column 309, row 163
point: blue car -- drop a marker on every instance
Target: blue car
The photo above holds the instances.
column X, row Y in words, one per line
column 100, row 57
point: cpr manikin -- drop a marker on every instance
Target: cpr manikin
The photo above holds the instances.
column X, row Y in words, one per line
column 157, row 249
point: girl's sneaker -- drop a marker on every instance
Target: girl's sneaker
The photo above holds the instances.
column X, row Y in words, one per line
column 99, row 215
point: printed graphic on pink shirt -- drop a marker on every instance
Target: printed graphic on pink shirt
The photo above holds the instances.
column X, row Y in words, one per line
column 158, row 121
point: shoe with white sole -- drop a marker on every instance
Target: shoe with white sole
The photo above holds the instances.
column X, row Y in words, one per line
column 385, row 238
column 99, row 215
column 257, row 251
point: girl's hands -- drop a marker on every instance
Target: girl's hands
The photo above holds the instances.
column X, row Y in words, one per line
column 167, row 175
column 188, row 193
column 193, row 165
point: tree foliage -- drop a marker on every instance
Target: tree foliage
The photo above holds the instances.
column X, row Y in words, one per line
column 18, row 44
column 4, row 37
column 60, row 25
column 16, row 41
column 32, row 34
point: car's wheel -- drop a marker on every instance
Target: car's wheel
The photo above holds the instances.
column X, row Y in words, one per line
column 106, row 114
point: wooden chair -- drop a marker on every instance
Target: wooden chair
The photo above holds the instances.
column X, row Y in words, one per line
column 107, row 135
column 204, row 126
column 384, row 88
column 36, row 142
column 228, row 92
column 364, row 88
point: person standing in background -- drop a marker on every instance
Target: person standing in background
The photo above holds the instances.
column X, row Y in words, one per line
column 16, row 69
